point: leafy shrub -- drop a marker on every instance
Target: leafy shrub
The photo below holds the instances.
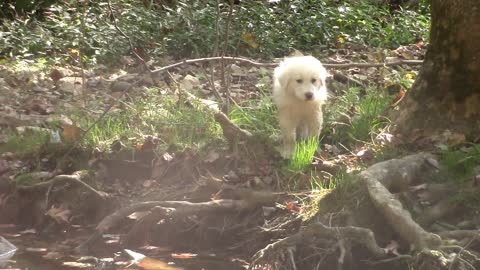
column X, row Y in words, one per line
column 367, row 117
column 189, row 28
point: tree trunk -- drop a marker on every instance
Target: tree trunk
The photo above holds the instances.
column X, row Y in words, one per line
column 446, row 94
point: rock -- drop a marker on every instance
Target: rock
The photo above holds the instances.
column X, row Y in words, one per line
column 62, row 119
column 100, row 69
column 238, row 71
column 147, row 80
column 128, row 77
column 38, row 105
column 190, row 82
column 93, row 82
column 56, row 75
column 71, row 85
column 120, row 86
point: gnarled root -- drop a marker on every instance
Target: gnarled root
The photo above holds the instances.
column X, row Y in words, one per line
column 359, row 235
column 176, row 209
column 397, row 173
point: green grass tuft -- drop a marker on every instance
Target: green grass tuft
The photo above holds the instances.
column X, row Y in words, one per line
column 174, row 122
column 258, row 116
column 461, row 164
column 26, row 143
column 303, row 154
column 364, row 115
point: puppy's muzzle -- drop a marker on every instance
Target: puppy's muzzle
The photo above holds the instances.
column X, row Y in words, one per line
column 308, row 96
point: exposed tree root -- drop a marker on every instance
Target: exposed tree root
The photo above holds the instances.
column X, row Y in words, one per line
column 359, row 235
column 398, row 173
column 437, row 211
column 175, row 209
column 76, row 178
column 460, row 234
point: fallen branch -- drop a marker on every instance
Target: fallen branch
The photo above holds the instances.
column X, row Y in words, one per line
column 260, row 64
column 359, row 235
column 397, row 173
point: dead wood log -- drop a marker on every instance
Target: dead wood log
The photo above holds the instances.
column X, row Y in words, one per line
column 359, row 235
column 398, row 173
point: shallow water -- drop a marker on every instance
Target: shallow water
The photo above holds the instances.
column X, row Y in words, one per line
column 26, row 261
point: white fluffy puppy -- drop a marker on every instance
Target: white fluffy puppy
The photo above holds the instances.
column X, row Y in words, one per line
column 299, row 92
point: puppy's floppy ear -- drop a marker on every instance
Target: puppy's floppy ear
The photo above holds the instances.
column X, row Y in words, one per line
column 295, row 52
column 323, row 72
column 281, row 76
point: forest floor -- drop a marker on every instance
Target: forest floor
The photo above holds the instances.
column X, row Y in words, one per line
column 118, row 168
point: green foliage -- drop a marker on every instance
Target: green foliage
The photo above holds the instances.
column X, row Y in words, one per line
column 26, row 143
column 303, row 154
column 25, row 179
column 461, row 164
column 367, row 110
column 257, row 115
column 188, row 28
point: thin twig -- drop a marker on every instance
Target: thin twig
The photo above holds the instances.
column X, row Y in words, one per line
column 217, row 29
column 81, row 48
column 459, row 254
column 215, row 53
column 292, row 258
column 225, row 76
column 130, row 43
column 274, row 64
column 59, row 162
column 393, row 259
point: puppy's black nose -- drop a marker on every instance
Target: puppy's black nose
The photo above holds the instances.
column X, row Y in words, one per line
column 308, row 95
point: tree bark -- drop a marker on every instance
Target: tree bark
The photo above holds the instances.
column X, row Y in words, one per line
column 446, row 94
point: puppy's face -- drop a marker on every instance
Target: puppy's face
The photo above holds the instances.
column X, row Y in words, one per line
column 303, row 77
column 307, row 86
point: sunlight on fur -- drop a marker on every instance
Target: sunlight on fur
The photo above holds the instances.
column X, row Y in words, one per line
column 299, row 91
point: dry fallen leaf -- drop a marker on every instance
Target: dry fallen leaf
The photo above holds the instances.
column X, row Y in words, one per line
column 56, row 75
column 71, row 133
column 184, row 255
column 455, row 139
column 77, row 264
column 365, row 154
column 250, row 40
column 53, row 255
column 60, row 215
column 398, row 98
column 392, row 248
column 148, row 263
column 153, row 264
column 292, row 206
column 35, row 250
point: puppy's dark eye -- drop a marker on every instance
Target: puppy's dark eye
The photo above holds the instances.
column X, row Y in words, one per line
column 314, row 80
column 299, row 81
